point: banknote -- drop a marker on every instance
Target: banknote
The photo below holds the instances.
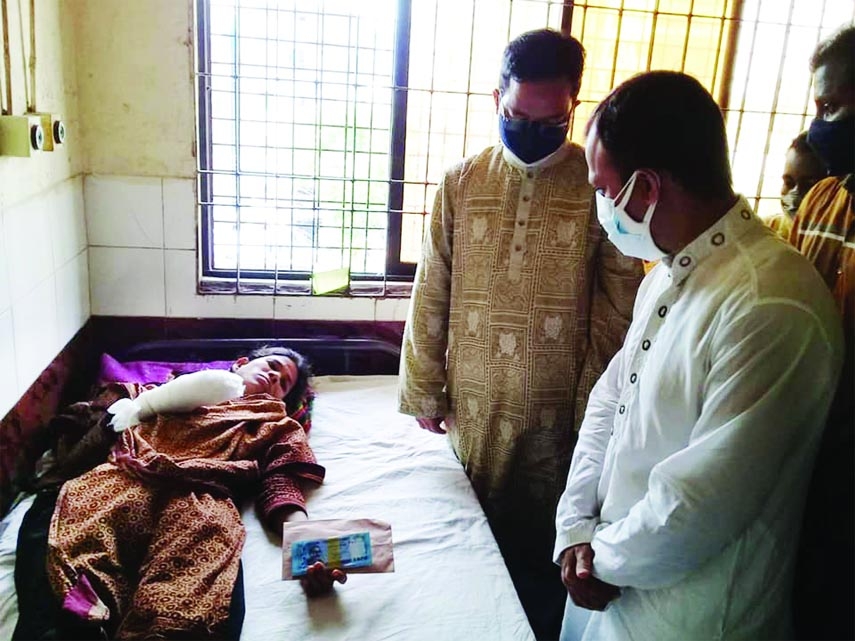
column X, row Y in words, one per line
column 347, row 551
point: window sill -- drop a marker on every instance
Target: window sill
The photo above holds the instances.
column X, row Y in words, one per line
column 358, row 289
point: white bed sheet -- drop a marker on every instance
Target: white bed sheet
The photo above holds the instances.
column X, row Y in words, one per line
column 9, row 527
column 450, row 582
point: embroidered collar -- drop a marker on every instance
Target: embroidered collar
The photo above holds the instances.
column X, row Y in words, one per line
column 552, row 159
column 723, row 232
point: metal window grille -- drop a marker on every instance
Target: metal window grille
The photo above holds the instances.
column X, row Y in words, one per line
column 295, row 112
column 325, row 125
column 625, row 37
column 771, row 98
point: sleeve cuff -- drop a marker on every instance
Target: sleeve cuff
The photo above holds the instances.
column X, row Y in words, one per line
column 279, row 490
column 581, row 532
column 429, row 406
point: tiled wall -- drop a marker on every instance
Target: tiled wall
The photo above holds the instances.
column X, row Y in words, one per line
column 143, row 262
column 44, row 283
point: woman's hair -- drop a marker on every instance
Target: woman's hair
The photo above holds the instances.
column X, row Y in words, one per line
column 300, row 393
column 800, row 144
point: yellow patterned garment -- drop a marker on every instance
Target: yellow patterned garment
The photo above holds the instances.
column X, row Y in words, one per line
column 781, row 224
column 824, row 231
column 521, row 288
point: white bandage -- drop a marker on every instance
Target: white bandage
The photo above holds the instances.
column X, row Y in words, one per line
column 126, row 413
column 182, row 394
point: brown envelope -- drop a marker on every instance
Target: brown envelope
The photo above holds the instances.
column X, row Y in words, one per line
column 382, row 558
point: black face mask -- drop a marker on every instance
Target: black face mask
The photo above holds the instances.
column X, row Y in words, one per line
column 531, row 141
column 834, row 143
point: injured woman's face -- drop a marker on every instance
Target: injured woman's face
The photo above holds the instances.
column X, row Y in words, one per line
column 274, row 375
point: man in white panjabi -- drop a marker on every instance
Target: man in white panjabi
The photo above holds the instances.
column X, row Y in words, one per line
column 518, row 303
column 682, row 509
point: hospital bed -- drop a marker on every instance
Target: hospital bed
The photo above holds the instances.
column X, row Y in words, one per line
column 450, row 581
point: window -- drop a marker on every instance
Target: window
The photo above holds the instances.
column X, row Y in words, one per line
column 770, row 97
column 295, row 130
column 325, row 125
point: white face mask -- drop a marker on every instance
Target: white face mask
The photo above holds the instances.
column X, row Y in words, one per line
column 631, row 237
column 790, row 202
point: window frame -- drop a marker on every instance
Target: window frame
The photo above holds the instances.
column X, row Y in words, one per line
column 395, row 269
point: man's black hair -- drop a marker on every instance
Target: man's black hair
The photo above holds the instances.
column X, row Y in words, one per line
column 666, row 121
column 541, row 55
column 297, row 394
column 837, row 51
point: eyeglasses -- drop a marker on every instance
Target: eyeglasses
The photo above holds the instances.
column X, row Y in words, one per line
column 520, row 124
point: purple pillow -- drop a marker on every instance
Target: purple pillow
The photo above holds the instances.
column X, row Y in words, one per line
column 113, row 371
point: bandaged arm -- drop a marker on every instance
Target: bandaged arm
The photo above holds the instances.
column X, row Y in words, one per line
column 183, row 394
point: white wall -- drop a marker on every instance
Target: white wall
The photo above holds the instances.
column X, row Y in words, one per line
column 44, row 290
column 136, row 79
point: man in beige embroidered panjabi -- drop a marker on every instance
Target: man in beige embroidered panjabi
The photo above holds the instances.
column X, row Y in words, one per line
column 518, row 304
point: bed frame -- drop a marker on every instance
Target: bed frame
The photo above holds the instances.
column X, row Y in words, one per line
column 328, row 356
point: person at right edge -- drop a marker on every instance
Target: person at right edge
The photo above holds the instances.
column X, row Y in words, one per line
column 824, row 231
column 681, row 513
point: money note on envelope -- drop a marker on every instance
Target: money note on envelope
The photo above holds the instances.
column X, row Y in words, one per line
column 354, row 545
column 346, row 552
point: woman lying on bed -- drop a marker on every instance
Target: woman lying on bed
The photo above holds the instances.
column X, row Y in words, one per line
column 148, row 544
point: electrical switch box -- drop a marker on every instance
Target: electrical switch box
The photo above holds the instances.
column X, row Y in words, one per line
column 54, row 130
column 21, row 135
